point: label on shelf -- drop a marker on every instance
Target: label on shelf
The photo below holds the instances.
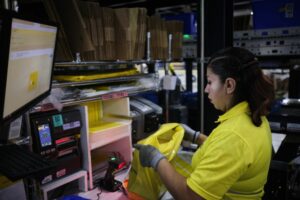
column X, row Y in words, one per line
column 169, row 82
column 114, row 95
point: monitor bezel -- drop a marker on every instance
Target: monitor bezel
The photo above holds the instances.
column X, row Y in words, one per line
column 6, row 18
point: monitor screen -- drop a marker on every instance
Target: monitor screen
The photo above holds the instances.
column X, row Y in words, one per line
column 28, row 54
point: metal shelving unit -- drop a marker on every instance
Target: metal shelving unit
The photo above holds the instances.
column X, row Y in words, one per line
column 98, row 63
column 114, row 93
column 57, row 84
column 106, row 96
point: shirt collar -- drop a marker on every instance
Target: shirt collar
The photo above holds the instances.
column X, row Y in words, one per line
column 238, row 109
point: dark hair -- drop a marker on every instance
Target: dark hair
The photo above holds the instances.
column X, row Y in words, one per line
column 251, row 84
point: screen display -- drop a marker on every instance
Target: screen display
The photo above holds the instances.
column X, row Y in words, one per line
column 30, row 62
column 45, row 135
column 71, row 125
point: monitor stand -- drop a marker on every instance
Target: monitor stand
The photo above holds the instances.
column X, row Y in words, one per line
column 17, row 161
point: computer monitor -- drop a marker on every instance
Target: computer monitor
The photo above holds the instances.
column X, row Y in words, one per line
column 27, row 50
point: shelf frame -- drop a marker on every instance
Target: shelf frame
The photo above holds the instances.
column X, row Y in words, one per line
column 56, row 84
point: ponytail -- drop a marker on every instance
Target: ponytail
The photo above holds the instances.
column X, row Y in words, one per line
column 259, row 93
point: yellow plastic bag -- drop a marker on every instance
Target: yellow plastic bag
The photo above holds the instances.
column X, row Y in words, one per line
column 75, row 78
column 144, row 181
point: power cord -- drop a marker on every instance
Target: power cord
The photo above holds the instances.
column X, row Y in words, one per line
column 98, row 194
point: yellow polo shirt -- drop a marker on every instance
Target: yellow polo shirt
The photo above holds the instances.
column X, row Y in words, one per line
column 233, row 162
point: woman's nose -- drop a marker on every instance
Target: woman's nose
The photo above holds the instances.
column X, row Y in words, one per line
column 206, row 89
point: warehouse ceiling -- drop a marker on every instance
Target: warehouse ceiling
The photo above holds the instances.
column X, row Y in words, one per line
column 161, row 6
column 242, row 8
column 155, row 6
column 167, row 6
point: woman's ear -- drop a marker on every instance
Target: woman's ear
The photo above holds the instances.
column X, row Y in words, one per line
column 230, row 85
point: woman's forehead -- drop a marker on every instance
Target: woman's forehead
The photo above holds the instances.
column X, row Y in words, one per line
column 210, row 72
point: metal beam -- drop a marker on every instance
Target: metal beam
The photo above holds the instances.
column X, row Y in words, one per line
column 216, row 33
column 145, row 3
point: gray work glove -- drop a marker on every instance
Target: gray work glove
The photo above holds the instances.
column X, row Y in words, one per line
column 149, row 155
column 190, row 134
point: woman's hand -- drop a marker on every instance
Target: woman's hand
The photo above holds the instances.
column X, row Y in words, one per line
column 190, row 134
column 149, row 155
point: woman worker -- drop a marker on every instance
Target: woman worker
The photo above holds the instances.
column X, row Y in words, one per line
column 234, row 159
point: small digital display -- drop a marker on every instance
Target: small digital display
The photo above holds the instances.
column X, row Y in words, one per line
column 71, row 125
column 45, row 135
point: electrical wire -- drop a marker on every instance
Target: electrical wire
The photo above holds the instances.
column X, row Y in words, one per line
column 99, row 193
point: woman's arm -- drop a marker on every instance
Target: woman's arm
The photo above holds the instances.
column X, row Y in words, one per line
column 175, row 182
